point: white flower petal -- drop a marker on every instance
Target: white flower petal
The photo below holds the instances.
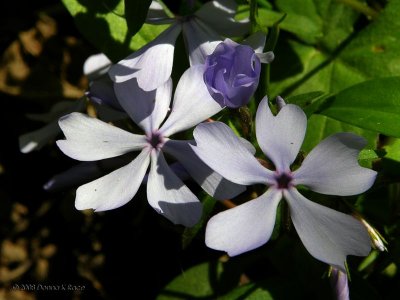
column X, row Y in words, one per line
column 266, row 57
column 90, row 139
column 192, row 103
column 220, row 16
column 244, row 227
column 162, row 103
column 212, row 182
column 332, row 167
column 327, row 234
column 96, row 65
column 169, row 196
column 150, row 65
column 115, row 189
column 224, row 152
column 147, row 109
column 200, row 40
column 280, row 137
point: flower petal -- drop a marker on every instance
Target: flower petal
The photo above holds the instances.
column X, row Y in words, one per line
column 244, row 227
column 168, row 195
column 115, row 189
column 90, row 139
column 192, row 103
column 224, row 152
column 220, row 14
column 141, row 106
column 96, row 65
column 36, row 139
column 256, row 41
column 280, row 137
column 212, row 182
column 332, row 167
column 162, row 103
column 85, row 172
column 327, row 234
column 152, row 64
column 266, row 57
column 200, row 40
column 101, row 91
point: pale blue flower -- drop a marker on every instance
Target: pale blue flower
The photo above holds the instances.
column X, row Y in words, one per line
column 330, row 168
column 89, row 139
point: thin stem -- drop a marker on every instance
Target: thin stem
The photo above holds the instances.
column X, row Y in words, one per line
column 253, row 14
column 361, row 7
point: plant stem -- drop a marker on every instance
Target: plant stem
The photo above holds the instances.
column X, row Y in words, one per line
column 361, row 7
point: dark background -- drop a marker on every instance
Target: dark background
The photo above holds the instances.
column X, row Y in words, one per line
column 123, row 253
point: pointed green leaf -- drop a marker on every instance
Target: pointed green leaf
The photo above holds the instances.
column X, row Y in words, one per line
column 373, row 105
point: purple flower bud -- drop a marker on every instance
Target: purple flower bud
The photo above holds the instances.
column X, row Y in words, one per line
column 340, row 284
column 232, row 73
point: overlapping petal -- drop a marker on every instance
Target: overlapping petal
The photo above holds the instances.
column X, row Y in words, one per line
column 327, row 234
column 200, row 40
column 223, row 151
column 101, row 91
column 192, row 103
column 244, row 227
column 219, row 14
column 256, row 41
column 96, row 65
column 157, row 15
column 90, row 139
column 332, row 167
column 152, row 64
column 85, row 172
column 169, row 196
column 147, row 109
column 36, row 139
column 280, row 137
column 212, row 182
column 115, row 189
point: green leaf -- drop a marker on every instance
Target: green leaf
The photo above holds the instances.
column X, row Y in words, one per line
column 135, row 14
column 341, row 58
column 391, row 161
column 195, row 282
column 264, row 290
column 309, row 102
column 373, row 105
column 320, row 127
column 103, row 24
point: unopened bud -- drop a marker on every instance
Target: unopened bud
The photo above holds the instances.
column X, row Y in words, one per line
column 378, row 242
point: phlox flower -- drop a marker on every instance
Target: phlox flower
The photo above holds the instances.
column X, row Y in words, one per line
column 89, row 139
column 152, row 64
column 330, row 168
column 232, row 71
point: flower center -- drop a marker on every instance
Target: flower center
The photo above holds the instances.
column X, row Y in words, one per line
column 283, row 180
column 155, row 140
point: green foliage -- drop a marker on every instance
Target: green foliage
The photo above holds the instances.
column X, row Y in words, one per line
column 343, row 68
column 373, row 105
column 103, row 24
